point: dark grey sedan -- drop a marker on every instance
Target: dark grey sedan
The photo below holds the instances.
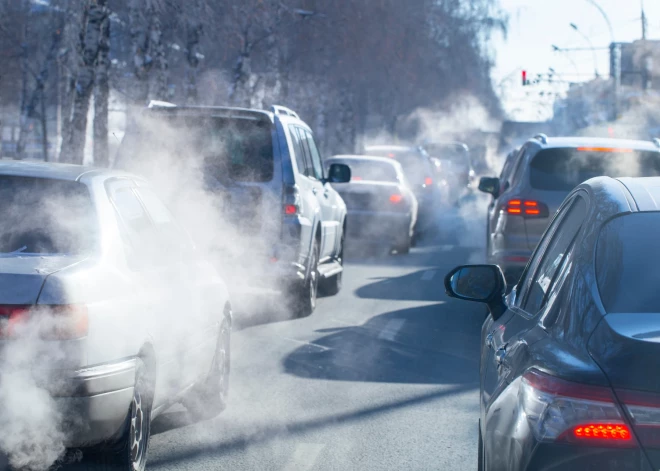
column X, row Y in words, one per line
column 570, row 358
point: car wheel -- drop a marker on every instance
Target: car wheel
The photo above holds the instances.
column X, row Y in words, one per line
column 304, row 294
column 403, row 247
column 129, row 452
column 480, row 452
column 332, row 285
column 209, row 399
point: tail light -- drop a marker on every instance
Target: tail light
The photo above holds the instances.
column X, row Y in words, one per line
column 396, row 198
column 644, row 413
column 526, row 208
column 292, row 202
column 356, row 179
column 428, row 181
column 562, row 411
column 61, row 322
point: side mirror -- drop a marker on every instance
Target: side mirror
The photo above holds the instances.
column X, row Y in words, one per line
column 490, row 185
column 339, row 173
column 480, row 283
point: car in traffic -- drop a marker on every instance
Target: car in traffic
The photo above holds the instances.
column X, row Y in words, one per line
column 382, row 208
column 454, row 165
column 569, row 358
column 537, row 178
column 420, row 172
column 265, row 175
column 106, row 303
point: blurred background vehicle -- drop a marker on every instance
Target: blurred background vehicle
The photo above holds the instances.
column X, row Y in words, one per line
column 92, row 266
column 420, row 173
column 536, row 179
column 381, row 206
column 568, row 358
column 273, row 197
column 453, row 164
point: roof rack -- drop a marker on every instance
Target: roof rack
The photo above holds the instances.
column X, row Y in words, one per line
column 656, row 141
column 277, row 109
column 541, row 137
column 158, row 103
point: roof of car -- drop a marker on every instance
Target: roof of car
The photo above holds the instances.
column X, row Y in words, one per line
column 645, row 191
column 552, row 142
column 389, row 148
column 370, row 158
column 57, row 171
column 217, row 111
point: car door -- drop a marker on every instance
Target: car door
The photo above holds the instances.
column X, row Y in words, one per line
column 159, row 291
column 506, row 177
column 329, row 200
column 506, row 340
column 198, row 331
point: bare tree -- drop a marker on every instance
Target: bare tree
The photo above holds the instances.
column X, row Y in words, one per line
column 73, row 144
column 102, row 91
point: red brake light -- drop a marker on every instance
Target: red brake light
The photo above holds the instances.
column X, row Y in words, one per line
column 526, row 208
column 356, row 178
column 603, row 432
column 605, row 149
column 428, row 181
column 396, row 198
column 60, row 322
column 290, row 209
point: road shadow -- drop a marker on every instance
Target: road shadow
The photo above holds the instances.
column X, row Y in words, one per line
column 434, row 344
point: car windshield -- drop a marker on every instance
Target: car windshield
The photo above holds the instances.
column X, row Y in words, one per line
column 371, row 170
column 229, row 150
column 455, row 153
column 41, row 215
column 627, row 258
column 563, row 169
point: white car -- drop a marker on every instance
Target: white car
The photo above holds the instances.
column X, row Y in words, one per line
column 106, row 307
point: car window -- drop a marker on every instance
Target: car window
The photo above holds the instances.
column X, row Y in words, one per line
column 43, row 215
column 313, row 152
column 519, row 167
column 169, row 231
column 301, row 161
column 627, row 261
column 133, row 219
column 553, row 256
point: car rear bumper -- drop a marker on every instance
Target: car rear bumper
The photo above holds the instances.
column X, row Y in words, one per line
column 552, row 456
column 94, row 401
column 378, row 227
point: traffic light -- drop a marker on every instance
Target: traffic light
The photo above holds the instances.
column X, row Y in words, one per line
column 524, row 77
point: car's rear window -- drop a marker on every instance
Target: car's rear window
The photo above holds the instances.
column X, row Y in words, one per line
column 455, row 153
column 370, row 170
column 628, row 263
column 416, row 165
column 41, row 215
column 230, row 150
column 562, row 169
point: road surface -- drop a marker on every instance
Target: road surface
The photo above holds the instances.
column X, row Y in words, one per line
column 382, row 376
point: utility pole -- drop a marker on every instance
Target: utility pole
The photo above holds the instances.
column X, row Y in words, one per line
column 643, row 22
column 615, row 52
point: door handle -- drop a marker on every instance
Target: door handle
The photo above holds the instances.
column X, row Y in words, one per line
column 500, row 355
column 315, row 190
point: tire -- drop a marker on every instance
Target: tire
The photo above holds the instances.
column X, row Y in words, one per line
column 208, row 399
column 303, row 295
column 129, row 451
column 403, row 247
column 332, row 286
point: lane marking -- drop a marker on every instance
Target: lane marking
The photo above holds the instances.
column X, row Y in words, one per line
column 391, row 329
column 304, row 457
column 309, row 344
column 428, row 275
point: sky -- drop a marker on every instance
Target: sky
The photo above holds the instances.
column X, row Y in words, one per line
column 536, row 25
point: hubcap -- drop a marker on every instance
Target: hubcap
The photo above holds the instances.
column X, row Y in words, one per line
column 138, row 432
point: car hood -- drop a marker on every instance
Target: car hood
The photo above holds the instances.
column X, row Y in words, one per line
column 22, row 276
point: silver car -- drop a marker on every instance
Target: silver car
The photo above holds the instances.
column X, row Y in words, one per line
column 381, row 206
column 106, row 308
column 536, row 179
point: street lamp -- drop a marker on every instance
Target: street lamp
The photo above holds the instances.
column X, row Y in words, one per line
column 591, row 46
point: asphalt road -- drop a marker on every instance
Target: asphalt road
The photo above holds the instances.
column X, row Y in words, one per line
column 383, row 376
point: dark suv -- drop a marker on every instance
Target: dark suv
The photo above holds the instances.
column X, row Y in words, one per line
column 282, row 224
column 537, row 178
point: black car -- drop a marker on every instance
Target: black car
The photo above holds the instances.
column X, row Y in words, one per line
column 570, row 358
